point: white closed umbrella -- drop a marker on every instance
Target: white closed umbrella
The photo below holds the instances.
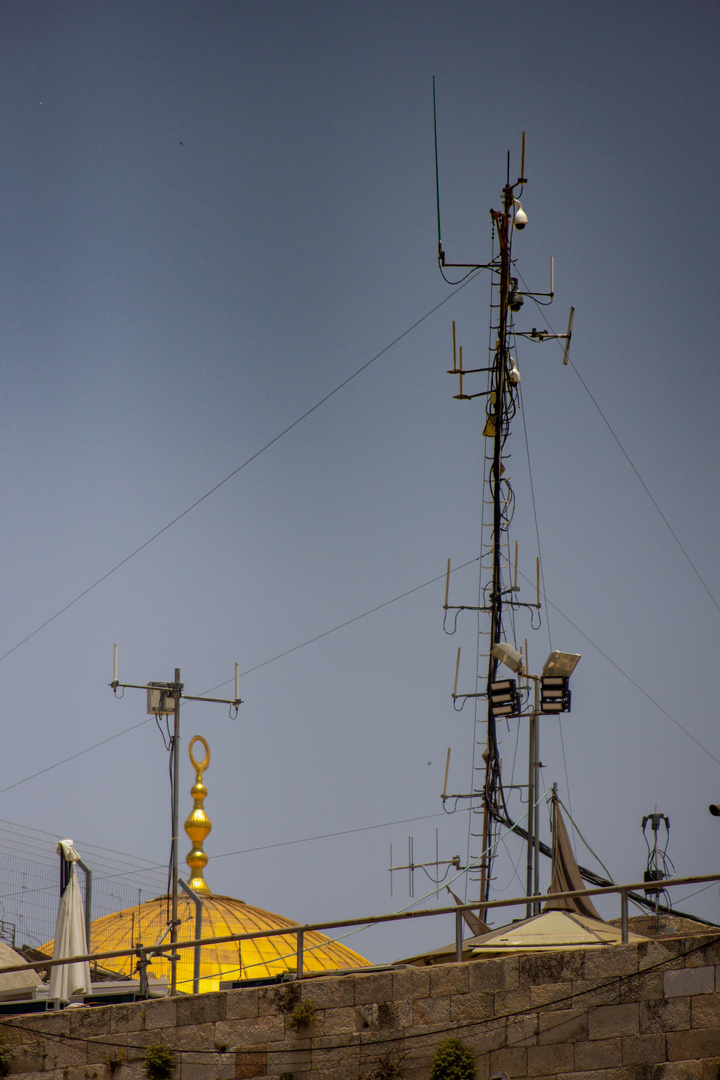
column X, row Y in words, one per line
column 70, row 939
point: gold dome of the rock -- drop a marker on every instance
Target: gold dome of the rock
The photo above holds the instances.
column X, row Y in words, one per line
column 257, row 958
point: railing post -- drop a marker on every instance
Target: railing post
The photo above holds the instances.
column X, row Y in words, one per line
column 624, row 915
column 458, row 936
column 300, row 945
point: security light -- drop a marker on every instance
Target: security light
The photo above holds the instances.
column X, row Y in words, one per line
column 561, row 663
column 507, row 655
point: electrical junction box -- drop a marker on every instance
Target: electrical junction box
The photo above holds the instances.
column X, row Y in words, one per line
column 160, row 701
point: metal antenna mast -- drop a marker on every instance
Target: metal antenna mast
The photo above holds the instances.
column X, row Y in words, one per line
column 499, row 594
column 163, row 699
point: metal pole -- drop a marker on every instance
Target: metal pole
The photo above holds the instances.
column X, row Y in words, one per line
column 530, row 817
column 177, row 689
column 299, row 952
column 197, row 900
column 536, row 826
column 458, row 936
column 88, row 900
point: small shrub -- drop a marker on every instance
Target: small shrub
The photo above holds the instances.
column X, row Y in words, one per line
column 302, row 1015
column 387, row 1066
column 159, row 1062
column 453, row 1060
column 114, row 1061
column 287, row 997
column 4, row 1059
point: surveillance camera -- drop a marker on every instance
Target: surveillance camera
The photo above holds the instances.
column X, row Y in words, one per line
column 520, row 219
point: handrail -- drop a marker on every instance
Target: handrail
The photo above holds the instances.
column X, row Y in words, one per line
column 300, row 930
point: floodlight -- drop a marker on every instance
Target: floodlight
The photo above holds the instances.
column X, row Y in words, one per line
column 507, row 655
column 714, row 810
column 504, row 698
column 555, row 696
column 561, row 663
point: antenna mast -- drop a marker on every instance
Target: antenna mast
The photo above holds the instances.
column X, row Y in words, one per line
column 499, row 591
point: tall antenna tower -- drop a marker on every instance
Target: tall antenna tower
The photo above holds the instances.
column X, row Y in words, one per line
column 499, row 591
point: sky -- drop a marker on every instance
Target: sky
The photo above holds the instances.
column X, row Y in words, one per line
column 227, row 432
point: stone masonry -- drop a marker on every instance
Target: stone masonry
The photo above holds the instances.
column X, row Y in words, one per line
column 624, row 1012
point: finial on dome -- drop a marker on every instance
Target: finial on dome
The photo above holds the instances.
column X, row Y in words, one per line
column 198, row 824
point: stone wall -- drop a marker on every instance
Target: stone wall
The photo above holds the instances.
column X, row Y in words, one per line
column 632, row 1012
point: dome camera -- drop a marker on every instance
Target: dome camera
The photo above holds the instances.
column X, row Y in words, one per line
column 520, row 219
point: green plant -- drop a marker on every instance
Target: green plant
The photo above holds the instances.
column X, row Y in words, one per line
column 4, row 1059
column 285, row 1076
column 453, row 1060
column 302, row 1015
column 287, row 997
column 114, row 1061
column 159, row 1062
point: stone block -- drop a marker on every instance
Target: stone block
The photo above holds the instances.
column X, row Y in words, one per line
column 646, row 986
column 239, row 1033
column 241, row 1004
column 560, row 967
column 449, row 979
column 201, row 1009
column 337, row 1053
column 665, row 1014
column 512, row 1060
column 289, row 1061
column 510, row 1002
column 588, row 995
column 338, row 1021
column 431, row 1011
column 610, row 962
column 551, row 996
column 377, row 986
column 689, row 1045
column 699, row 957
column 88, row 1021
column 689, row 981
column 329, row 993
column 562, row 1025
column 158, row 1014
column 53, row 1023
column 522, row 1031
column 643, row 1049
column 222, row 1070
column 486, row 1038
column 411, row 983
column 250, row 1063
column 598, row 1054
column 608, row 1021
column 501, row 974
column 188, row 1037
column 651, row 953
column 687, row 1070
column 471, row 1006
column 704, row 1011
column 550, row 1060
column 126, row 1018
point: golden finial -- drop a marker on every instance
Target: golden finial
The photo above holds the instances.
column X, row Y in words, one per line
column 198, row 824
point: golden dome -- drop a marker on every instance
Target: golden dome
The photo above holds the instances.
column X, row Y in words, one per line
column 258, row 958
column 222, row 915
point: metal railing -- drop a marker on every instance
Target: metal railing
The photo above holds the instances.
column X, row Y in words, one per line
column 145, row 954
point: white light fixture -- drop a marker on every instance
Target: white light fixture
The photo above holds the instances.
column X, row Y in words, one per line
column 508, row 656
column 561, row 663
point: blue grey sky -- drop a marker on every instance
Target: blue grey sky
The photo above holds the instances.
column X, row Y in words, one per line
column 213, row 214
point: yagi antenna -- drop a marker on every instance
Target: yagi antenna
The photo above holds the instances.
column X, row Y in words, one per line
column 568, row 335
